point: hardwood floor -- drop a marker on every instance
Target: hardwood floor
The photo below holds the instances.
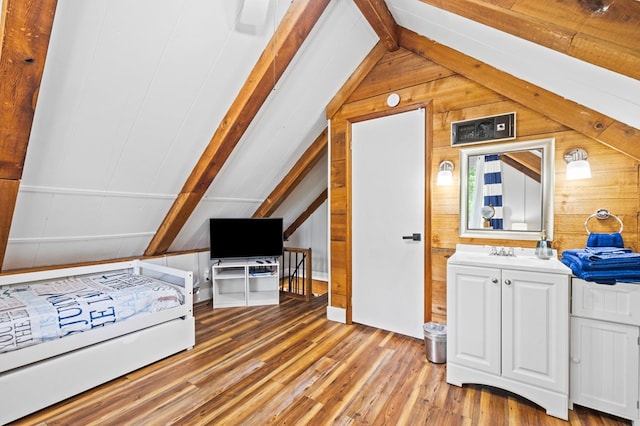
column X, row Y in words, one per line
column 288, row 364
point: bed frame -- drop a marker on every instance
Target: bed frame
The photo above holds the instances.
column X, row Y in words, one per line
column 37, row 376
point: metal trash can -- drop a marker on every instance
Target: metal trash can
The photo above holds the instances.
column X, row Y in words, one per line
column 435, row 342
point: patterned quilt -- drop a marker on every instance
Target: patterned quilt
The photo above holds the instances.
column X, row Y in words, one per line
column 38, row 312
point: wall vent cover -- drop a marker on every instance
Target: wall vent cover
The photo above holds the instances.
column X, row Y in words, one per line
column 484, row 129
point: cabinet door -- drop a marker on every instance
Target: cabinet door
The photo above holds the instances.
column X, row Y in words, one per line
column 604, row 366
column 535, row 328
column 473, row 317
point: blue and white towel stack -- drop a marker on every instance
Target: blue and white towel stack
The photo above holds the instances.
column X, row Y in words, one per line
column 604, row 265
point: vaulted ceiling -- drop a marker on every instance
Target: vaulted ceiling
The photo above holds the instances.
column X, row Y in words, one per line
column 154, row 115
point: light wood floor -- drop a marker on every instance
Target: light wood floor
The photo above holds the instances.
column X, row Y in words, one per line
column 288, row 365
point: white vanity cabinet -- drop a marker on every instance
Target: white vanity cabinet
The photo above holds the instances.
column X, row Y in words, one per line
column 508, row 324
column 605, row 351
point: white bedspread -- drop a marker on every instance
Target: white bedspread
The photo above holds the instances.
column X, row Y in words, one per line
column 40, row 311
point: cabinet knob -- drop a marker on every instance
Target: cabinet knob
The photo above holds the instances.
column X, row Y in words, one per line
column 494, row 280
column 507, row 282
column 575, row 360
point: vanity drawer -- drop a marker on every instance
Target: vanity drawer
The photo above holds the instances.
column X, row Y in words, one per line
column 618, row 303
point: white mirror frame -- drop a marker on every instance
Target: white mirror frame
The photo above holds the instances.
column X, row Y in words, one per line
column 547, row 177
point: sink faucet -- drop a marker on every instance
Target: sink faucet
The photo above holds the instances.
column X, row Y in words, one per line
column 502, row 252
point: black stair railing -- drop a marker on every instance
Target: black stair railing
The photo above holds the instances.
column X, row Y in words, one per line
column 296, row 273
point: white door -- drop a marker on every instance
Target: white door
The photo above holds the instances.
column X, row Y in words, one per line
column 388, row 176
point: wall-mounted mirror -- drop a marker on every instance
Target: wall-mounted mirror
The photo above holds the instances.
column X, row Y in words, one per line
column 506, row 190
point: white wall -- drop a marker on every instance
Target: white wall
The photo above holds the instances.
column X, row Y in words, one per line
column 196, row 262
column 314, row 234
column 522, row 199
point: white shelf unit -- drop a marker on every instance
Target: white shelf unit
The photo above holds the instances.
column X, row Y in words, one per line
column 245, row 283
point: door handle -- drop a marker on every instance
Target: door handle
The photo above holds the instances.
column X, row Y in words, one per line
column 413, row 237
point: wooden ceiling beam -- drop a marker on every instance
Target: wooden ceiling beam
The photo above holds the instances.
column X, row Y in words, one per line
column 605, row 129
column 525, row 162
column 303, row 166
column 296, row 25
column 570, row 41
column 25, row 30
column 377, row 14
column 305, row 215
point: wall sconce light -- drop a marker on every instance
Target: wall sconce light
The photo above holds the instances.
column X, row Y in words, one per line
column 577, row 165
column 445, row 173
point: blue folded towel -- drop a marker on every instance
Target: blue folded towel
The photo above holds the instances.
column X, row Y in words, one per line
column 605, row 240
column 602, row 276
column 607, row 250
column 604, row 265
column 588, row 261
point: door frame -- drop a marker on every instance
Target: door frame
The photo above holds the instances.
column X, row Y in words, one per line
column 428, row 122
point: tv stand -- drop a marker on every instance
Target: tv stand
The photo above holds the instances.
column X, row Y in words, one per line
column 251, row 282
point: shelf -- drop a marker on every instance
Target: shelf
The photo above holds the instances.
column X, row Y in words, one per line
column 245, row 283
column 227, row 273
column 229, row 299
column 262, row 274
column 269, row 297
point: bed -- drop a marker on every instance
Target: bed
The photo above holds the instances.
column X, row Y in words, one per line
column 88, row 339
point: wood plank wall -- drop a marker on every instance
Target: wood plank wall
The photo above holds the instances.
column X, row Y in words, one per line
column 614, row 185
column 604, row 33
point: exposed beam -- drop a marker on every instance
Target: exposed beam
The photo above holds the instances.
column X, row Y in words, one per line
column 303, row 166
column 25, row 29
column 605, row 129
column 305, row 215
column 603, row 53
column 296, row 25
column 355, row 79
column 525, row 162
column 25, row 39
column 377, row 14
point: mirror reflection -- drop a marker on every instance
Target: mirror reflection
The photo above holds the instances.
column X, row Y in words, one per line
column 506, row 190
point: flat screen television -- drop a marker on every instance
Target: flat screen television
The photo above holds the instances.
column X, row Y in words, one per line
column 245, row 238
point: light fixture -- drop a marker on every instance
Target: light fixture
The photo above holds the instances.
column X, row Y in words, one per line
column 393, row 100
column 445, row 173
column 577, row 165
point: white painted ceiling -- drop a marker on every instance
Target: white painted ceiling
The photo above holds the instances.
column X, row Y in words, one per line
column 133, row 90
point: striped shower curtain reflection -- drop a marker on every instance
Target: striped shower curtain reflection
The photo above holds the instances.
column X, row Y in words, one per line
column 492, row 189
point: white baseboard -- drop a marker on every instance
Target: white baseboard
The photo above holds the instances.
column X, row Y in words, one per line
column 337, row 314
column 321, row 276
